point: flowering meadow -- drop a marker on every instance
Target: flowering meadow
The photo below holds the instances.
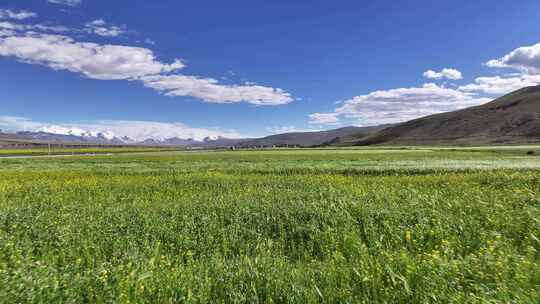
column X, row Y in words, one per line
column 276, row 226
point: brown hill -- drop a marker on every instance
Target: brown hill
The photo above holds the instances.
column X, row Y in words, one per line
column 308, row 139
column 512, row 119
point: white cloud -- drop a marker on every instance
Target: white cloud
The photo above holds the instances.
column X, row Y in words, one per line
column 100, row 28
column 290, row 129
column 47, row 28
column 500, row 85
column 20, row 15
column 525, row 59
column 6, row 33
column 402, row 104
column 210, row 90
column 66, row 2
column 116, row 62
column 324, row 118
column 10, row 26
column 14, row 123
column 14, row 28
column 452, row 74
column 104, row 62
column 135, row 130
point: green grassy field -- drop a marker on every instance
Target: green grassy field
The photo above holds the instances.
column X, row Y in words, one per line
column 308, row 226
column 69, row 151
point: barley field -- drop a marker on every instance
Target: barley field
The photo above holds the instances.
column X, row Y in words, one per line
column 378, row 225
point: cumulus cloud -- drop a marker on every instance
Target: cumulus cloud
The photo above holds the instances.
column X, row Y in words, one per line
column 497, row 85
column 135, row 130
column 210, row 90
column 452, row 74
column 20, row 15
column 402, row 104
column 525, row 59
column 101, row 28
column 116, row 62
column 106, row 62
column 324, row 118
column 66, row 2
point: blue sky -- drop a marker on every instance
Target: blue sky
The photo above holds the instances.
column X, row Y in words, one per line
column 251, row 68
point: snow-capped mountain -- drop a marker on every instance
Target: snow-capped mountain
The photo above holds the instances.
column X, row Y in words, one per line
column 65, row 134
column 81, row 136
column 84, row 137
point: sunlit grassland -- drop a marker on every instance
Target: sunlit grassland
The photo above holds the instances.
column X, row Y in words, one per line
column 289, row 226
column 55, row 150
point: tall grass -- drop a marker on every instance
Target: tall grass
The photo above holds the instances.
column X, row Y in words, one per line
column 271, row 227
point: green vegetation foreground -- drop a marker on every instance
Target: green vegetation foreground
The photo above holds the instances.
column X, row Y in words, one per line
column 348, row 226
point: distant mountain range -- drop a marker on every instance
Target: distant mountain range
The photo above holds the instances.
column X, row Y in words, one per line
column 82, row 138
column 513, row 118
column 88, row 138
column 294, row 139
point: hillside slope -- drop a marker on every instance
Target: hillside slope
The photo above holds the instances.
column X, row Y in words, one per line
column 308, row 139
column 513, row 118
